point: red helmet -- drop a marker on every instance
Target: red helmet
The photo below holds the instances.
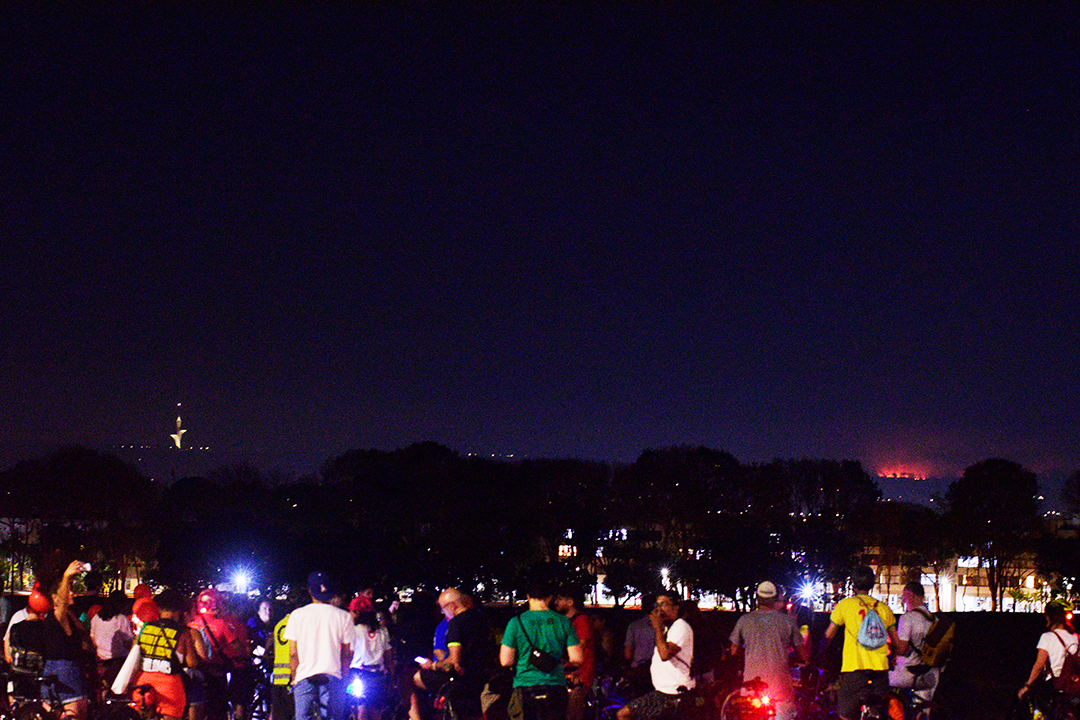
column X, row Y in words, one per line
column 361, row 603
column 209, row 602
column 142, row 590
column 146, row 609
column 40, row 602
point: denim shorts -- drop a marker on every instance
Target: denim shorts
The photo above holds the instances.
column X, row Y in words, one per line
column 69, row 685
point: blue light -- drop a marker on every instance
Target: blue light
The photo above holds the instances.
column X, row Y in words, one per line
column 241, row 580
column 356, row 688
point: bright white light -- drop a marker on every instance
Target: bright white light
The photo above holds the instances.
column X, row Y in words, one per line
column 807, row 591
column 356, row 688
column 241, row 581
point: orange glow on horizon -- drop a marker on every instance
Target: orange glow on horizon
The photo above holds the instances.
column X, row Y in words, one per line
column 905, row 472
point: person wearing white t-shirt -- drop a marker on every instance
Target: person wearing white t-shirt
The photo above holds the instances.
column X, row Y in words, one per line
column 17, row 618
column 912, row 628
column 320, row 638
column 1053, row 644
column 670, row 667
column 371, row 658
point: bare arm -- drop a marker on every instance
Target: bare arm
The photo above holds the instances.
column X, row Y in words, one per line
column 452, row 660
column 294, row 660
column 1041, row 661
column 507, row 656
column 665, row 649
column 575, row 654
column 198, row 646
column 64, row 597
column 901, row 646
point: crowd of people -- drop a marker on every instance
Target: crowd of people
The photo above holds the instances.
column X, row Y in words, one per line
column 338, row 657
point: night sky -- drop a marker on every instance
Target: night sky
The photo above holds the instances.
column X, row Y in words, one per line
column 837, row 231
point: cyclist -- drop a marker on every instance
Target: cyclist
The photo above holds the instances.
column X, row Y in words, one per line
column 281, row 702
column 67, row 642
column 24, row 648
column 1058, row 640
column 913, row 680
column 113, row 636
column 766, row 636
column 227, row 652
column 864, row 674
column 165, row 648
column 372, row 658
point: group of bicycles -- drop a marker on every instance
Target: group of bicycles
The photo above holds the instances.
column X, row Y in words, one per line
column 815, row 699
column 34, row 697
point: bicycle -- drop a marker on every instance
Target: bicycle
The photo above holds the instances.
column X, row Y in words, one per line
column 748, row 701
column 24, row 706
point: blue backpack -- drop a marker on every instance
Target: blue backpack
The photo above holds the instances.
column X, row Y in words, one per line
column 872, row 633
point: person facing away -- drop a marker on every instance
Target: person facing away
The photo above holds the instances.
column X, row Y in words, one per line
column 320, row 637
column 1058, row 640
column 673, row 656
column 864, row 673
column 914, row 624
column 166, row 647
column 539, row 681
column 766, row 637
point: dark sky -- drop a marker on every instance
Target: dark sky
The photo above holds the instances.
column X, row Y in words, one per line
column 838, row 231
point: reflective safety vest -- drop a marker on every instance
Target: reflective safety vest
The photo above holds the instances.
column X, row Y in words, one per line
column 157, row 640
column 281, row 672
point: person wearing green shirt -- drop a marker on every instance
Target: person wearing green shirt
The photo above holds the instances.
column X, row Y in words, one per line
column 539, row 687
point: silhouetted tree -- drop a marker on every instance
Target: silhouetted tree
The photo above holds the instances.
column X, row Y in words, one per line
column 87, row 504
column 994, row 510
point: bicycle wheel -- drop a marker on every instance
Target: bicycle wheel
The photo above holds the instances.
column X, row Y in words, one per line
column 34, row 711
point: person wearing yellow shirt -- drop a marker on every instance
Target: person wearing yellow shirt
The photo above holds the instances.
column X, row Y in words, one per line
column 864, row 674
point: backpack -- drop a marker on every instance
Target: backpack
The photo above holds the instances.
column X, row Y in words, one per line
column 872, row 634
column 1068, row 681
column 937, row 645
column 27, row 662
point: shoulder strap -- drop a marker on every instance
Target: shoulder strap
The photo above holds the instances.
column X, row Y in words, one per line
column 214, row 642
column 926, row 614
column 676, row 657
column 1066, row 649
column 525, row 632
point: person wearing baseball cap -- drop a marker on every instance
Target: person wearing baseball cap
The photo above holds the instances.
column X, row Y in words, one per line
column 766, row 636
column 320, row 638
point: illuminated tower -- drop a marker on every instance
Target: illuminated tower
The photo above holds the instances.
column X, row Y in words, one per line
column 179, row 435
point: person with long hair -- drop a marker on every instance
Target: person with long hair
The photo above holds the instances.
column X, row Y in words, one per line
column 67, row 642
column 1053, row 645
column 112, row 634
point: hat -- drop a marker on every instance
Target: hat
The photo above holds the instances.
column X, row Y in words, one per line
column 146, row 609
column 142, row 590
column 766, row 590
column 318, row 584
column 361, row 603
column 39, row 602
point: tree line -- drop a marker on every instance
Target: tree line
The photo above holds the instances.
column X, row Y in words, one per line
column 426, row 516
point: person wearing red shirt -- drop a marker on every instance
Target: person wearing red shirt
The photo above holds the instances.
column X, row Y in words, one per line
column 570, row 602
